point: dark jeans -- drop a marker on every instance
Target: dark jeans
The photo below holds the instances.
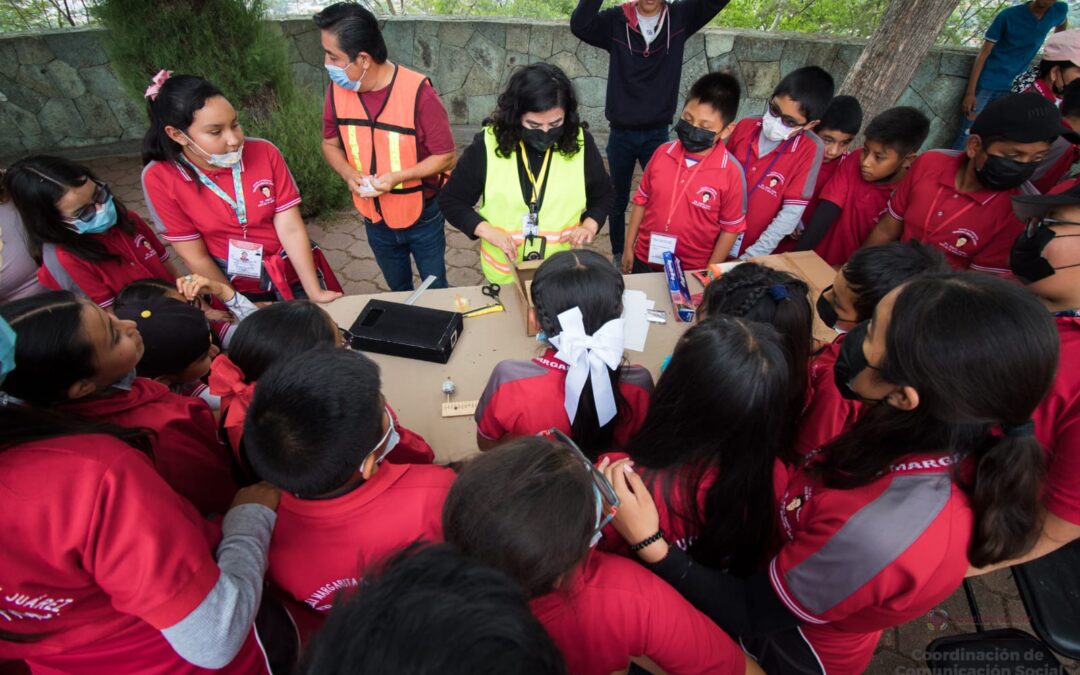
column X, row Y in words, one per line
column 425, row 240
column 983, row 97
column 626, row 147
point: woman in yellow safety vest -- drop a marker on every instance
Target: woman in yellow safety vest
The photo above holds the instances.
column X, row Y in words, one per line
column 532, row 183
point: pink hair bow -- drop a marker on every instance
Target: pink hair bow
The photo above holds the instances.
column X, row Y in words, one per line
column 155, row 87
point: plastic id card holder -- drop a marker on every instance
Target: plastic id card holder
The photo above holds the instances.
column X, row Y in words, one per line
column 659, row 244
column 245, row 259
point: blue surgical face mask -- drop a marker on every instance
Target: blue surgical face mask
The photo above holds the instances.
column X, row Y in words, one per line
column 338, row 77
column 7, row 349
column 103, row 219
column 126, row 382
column 225, row 160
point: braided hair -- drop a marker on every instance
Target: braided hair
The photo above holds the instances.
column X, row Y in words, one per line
column 759, row 293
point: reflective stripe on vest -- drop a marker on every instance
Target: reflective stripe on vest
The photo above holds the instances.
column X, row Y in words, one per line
column 380, row 141
column 503, row 204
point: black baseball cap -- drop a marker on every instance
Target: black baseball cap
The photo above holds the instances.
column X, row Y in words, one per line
column 1024, row 118
column 174, row 334
column 1027, row 207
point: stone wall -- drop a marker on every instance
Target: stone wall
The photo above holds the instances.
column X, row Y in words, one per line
column 58, row 92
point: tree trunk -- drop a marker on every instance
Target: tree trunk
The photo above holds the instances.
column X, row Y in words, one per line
column 900, row 42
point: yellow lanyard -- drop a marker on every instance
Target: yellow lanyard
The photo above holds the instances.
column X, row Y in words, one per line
column 538, row 180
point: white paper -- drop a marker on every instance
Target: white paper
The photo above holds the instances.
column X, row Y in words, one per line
column 635, row 325
column 660, row 244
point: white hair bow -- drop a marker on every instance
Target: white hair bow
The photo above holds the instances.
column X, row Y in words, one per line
column 594, row 354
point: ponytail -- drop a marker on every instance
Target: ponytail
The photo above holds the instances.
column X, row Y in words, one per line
column 174, row 104
column 1005, row 497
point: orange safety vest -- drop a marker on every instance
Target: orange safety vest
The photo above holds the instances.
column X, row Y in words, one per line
column 383, row 142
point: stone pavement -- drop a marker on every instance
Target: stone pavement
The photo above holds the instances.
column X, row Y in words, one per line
column 900, row 651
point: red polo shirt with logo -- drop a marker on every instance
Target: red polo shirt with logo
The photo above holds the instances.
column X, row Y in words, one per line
column 786, row 175
column 861, row 206
column 974, row 230
column 183, row 209
column 1057, row 426
column 693, row 203
column 139, row 256
column 99, row 556
column 323, row 546
column 612, row 609
column 857, row 561
column 523, row 398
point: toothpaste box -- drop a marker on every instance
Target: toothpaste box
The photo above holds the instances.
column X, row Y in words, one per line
column 682, row 303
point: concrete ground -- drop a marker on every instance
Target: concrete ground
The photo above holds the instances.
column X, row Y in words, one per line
column 340, row 234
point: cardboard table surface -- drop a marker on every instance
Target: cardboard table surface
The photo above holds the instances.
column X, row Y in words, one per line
column 413, row 388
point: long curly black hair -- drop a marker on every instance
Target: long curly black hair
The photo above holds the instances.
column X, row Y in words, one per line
column 535, row 88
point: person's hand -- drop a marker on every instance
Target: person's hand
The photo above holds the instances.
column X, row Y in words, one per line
column 217, row 315
column 262, row 493
column 498, row 238
column 627, row 265
column 583, row 234
column 967, row 105
column 385, row 182
column 323, row 296
column 191, row 286
column 356, row 183
column 636, row 519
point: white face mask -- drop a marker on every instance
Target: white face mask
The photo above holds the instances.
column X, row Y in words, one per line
column 773, row 129
column 223, row 161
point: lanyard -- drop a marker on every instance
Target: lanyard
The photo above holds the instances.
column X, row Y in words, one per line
column 238, row 206
column 950, row 219
column 676, row 192
column 746, row 162
column 1068, row 313
column 537, row 181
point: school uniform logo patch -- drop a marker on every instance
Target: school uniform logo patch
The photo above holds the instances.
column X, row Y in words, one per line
column 264, row 191
column 773, row 183
column 706, row 197
column 143, row 244
column 962, row 242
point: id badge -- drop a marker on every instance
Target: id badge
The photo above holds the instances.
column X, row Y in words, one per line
column 245, row 258
column 734, row 253
column 660, row 244
column 530, row 225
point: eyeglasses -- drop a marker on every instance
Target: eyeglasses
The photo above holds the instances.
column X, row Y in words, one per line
column 86, row 213
column 601, row 486
column 787, row 120
column 1034, row 224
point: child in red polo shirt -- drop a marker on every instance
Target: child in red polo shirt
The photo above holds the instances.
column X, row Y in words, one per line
column 855, row 198
column 1046, row 258
column 80, row 359
column 106, row 570
column 780, row 159
column 692, row 196
column 84, row 240
column 1063, row 156
column 577, row 302
column 228, row 205
column 534, row 508
column 959, row 202
column 879, row 527
column 838, row 128
column 319, row 429
column 709, row 448
column 856, row 290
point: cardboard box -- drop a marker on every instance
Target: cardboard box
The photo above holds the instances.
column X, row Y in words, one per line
column 523, row 275
column 681, row 301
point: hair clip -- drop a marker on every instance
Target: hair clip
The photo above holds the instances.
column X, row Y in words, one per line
column 779, row 292
column 155, row 88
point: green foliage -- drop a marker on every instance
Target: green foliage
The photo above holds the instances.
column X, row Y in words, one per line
column 230, row 43
column 32, row 15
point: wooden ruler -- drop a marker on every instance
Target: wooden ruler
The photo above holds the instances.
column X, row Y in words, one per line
column 459, row 408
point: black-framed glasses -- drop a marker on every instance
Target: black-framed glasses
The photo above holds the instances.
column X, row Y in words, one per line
column 787, row 120
column 1034, row 224
column 603, row 488
column 102, row 193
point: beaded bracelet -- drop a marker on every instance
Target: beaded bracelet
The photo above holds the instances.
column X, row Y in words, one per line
column 648, row 541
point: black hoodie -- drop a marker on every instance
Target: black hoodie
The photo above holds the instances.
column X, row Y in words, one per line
column 643, row 81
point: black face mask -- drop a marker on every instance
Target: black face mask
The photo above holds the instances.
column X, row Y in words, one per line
column 1002, row 173
column 851, row 361
column 694, row 139
column 1025, row 259
column 825, row 310
column 541, row 140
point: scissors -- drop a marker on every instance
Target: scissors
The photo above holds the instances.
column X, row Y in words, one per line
column 492, row 291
